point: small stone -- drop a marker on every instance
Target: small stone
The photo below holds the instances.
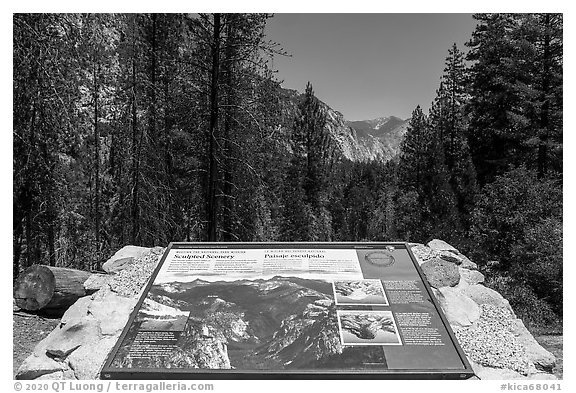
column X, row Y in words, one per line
column 35, row 366
column 72, row 336
column 484, row 295
column 441, row 245
column 14, row 306
column 472, row 277
column 450, row 257
column 423, row 253
column 96, row 282
column 87, row 361
column 460, row 310
column 467, row 263
column 440, row 273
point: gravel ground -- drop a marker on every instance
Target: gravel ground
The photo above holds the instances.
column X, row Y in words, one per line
column 554, row 344
column 27, row 331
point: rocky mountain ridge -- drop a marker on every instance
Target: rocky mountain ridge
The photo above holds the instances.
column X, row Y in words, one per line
column 362, row 140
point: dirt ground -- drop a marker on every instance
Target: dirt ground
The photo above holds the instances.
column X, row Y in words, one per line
column 27, row 331
column 554, row 344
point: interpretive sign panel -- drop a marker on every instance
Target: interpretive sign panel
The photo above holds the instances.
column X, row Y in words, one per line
column 287, row 310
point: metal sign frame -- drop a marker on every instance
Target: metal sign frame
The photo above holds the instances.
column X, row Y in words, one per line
column 110, row 372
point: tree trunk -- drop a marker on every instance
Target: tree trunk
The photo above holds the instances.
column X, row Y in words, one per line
column 96, row 165
column 212, row 168
column 134, row 208
column 227, row 226
column 17, row 247
column 43, row 287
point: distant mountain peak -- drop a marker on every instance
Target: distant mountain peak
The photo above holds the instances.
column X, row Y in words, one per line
column 375, row 139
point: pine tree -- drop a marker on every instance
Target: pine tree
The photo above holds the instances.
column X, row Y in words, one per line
column 425, row 199
column 515, row 85
column 313, row 142
column 448, row 121
column 542, row 36
column 312, row 154
column 412, row 166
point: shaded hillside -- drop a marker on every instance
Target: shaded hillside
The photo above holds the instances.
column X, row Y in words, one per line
column 366, row 140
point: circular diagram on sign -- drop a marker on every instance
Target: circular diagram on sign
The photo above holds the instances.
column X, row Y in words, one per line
column 380, row 258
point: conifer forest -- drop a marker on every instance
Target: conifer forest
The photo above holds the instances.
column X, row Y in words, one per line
column 145, row 129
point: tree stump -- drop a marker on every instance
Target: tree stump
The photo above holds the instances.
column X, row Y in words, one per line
column 43, row 287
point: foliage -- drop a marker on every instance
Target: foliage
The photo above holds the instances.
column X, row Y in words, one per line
column 518, row 223
column 305, row 215
column 535, row 312
column 112, row 117
column 515, row 107
column 150, row 128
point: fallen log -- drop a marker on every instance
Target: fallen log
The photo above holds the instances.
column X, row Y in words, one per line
column 43, row 287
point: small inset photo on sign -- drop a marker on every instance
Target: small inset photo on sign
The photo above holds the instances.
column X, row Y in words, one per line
column 368, row 328
column 155, row 316
column 367, row 292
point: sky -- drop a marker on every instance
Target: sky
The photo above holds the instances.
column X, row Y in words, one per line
column 368, row 65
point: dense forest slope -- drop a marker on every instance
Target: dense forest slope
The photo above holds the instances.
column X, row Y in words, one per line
column 360, row 141
column 145, row 129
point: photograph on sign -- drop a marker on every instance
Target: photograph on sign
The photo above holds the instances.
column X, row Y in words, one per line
column 360, row 292
column 368, row 328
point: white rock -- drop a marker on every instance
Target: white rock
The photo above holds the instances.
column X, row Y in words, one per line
column 541, row 358
column 471, row 277
column 423, row 253
column 543, row 376
column 112, row 312
column 451, row 257
column 87, row 332
column 467, row 263
column 484, row 295
column 460, row 310
column 124, row 257
column 96, row 282
column 491, row 373
column 71, row 336
column 441, row 245
column 78, row 310
column 87, row 361
column 36, row 365
column 58, row 375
